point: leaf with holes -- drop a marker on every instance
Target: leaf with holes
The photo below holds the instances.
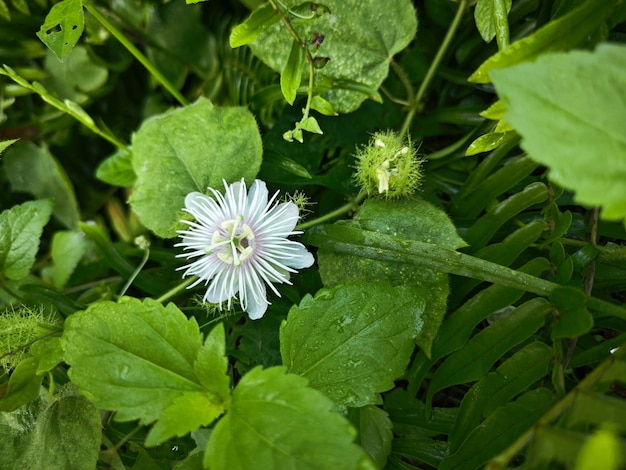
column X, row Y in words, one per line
column 63, row 27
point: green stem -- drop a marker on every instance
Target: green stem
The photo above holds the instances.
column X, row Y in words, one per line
column 130, row 280
column 557, row 410
column 351, row 206
column 378, row 246
column 136, row 53
column 176, row 290
column 417, row 103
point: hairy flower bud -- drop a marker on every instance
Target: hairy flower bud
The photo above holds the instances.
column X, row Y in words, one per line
column 389, row 166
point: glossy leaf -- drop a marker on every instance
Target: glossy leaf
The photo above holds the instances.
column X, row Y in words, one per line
column 490, row 141
column 375, row 432
column 588, row 156
column 489, row 14
column 20, row 230
column 34, row 170
column 475, row 359
column 415, row 220
column 276, row 421
column 63, row 27
column 248, row 31
column 291, row 74
column 352, row 341
column 145, row 361
column 499, row 430
column 196, row 147
column 515, row 375
column 563, row 33
column 360, row 40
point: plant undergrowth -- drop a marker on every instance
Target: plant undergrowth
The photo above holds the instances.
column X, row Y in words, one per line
column 440, row 283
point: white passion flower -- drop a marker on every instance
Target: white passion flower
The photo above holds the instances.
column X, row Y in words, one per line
column 239, row 244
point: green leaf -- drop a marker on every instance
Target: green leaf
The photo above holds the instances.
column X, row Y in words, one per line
column 5, row 144
column 360, row 38
column 352, row 341
column 500, row 430
column 490, row 141
column 20, row 230
column 375, row 435
column 117, row 170
column 474, row 360
column 410, row 219
column 322, row 106
column 63, row 27
column 4, row 11
column 23, row 386
column 487, row 15
column 34, row 170
column 573, row 317
column 563, row 33
column 291, row 74
column 274, row 159
column 515, row 375
column 276, row 421
column 74, row 79
column 190, row 149
column 595, row 408
column 138, row 359
column 585, row 114
column 67, row 250
column 61, row 434
column 247, row 32
column 48, row 353
column 601, row 450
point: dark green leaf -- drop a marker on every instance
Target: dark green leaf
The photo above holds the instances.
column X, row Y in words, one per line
column 499, row 430
column 375, row 435
column 352, row 341
column 276, row 421
column 474, row 360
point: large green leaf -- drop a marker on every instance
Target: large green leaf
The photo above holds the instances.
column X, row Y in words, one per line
column 360, row 38
column 574, row 126
column 352, row 341
column 20, row 230
column 410, row 219
column 276, row 421
column 63, row 26
column 34, row 170
column 59, row 434
column 190, row 149
column 147, row 362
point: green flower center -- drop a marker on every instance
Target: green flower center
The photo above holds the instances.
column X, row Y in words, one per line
column 234, row 240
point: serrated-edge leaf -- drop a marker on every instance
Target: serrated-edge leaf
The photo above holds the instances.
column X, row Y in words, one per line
column 21, row 228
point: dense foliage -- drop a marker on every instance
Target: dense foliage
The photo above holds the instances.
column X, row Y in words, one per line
column 459, row 171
